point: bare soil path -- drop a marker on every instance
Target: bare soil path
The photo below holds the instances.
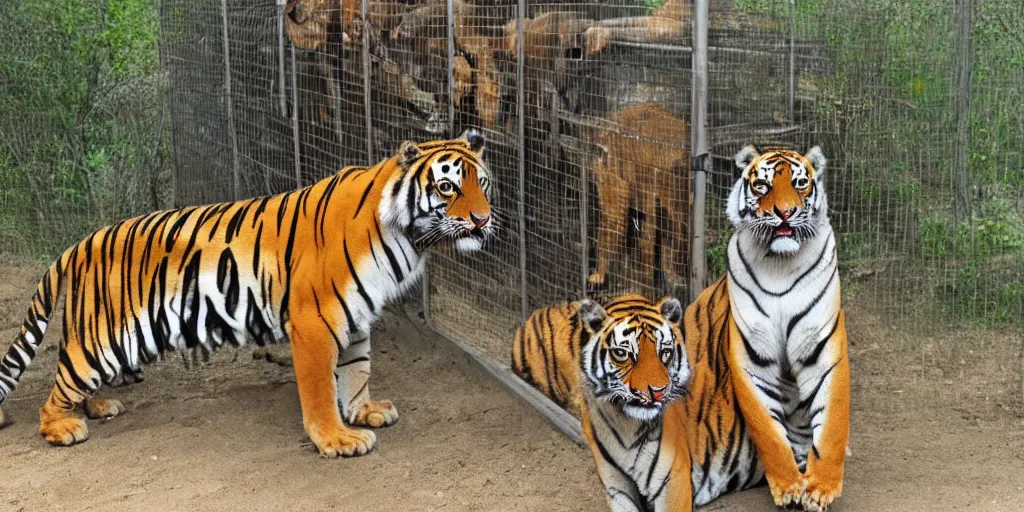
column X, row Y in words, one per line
column 228, row 436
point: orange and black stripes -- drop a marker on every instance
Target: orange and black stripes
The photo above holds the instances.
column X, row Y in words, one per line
column 323, row 258
column 620, row 366
column 545, row 351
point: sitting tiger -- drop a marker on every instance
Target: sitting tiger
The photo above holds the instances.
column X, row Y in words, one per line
column 313, row 266
column 769, row 393
column 768, row 342
column 621, row 366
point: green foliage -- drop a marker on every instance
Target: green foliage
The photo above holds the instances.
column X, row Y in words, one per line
column 897, row 63
column 81, row 118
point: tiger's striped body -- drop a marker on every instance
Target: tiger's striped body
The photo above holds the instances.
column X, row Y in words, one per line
column 786, row 335
column 769, row 396
column 621, row 366
column 314, row 266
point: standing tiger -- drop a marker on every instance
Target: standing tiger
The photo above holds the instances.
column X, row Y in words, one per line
column 769, row 392
column 313, row 266
column 620, row 366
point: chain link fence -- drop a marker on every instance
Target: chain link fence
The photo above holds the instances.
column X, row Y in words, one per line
column 84, row 125
column 604, row 143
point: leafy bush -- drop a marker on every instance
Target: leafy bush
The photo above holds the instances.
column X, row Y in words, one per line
column 82, row 119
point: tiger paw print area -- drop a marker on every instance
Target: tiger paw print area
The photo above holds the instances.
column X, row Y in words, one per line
column 511, row 255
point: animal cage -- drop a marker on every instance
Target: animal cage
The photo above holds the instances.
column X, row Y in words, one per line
column 610, row 127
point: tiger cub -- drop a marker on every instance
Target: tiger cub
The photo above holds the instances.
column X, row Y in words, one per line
column 621, row 366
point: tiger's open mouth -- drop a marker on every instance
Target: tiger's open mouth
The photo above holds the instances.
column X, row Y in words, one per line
column 643, row 411
column 783, row 230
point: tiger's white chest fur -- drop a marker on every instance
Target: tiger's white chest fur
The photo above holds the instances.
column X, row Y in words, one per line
column 635, row 466
column 784, row 306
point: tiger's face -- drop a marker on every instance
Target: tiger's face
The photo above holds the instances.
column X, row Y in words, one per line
column 448, row 193
column 635, row 358
column 780, row 197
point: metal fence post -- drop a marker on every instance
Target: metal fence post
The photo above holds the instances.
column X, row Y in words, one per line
column 521, row 140
column 280, row 56
column 367, row 70
column 295, row 121
column 964, row 64
column 699, row 143
column 237, row 184
column 451, row 67
column 451, row 133
column 791, row 99
column 965, row 74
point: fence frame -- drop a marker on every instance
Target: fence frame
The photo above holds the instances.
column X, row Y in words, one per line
column 561, row 419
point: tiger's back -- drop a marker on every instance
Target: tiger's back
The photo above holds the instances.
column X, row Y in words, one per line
column 545, row 352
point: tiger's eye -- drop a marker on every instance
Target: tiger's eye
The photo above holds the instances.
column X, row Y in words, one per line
column 619, row 354
column 666, row 355
column 760, row 186
column 445, row 187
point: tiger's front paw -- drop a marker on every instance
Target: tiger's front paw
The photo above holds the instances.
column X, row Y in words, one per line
column 64, row 430
column 819, row 495
column 786, row 494
column 344, row 442
column 375, row 413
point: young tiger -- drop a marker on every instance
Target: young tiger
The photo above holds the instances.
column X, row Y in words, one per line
column 313, row 266
column 621, row 366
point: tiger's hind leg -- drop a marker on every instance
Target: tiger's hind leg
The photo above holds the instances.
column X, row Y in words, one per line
column 613, row 198
column 353, row 374
column 75, row 383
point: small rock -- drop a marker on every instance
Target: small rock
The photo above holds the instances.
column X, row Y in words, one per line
column 153, row 457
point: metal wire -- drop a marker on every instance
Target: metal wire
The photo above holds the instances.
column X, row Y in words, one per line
column 602, row 154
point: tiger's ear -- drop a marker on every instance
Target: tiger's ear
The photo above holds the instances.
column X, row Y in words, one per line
column 475, row 139
column 592, row 315
column 671, row 309
column 746, row 155
column 408, row 152
column 817, row 158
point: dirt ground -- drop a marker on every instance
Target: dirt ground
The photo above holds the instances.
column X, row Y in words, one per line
column 228, row 435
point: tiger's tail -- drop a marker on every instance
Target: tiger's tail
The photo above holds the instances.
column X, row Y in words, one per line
column 24, row 348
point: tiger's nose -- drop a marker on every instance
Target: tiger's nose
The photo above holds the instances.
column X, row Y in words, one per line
column 479, row 222
column 785, row 215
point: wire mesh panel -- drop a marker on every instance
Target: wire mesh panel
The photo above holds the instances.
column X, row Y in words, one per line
column 478, row 299
column 589, row 115
column 600, row 92
column 83, row 123
column 193, row 46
